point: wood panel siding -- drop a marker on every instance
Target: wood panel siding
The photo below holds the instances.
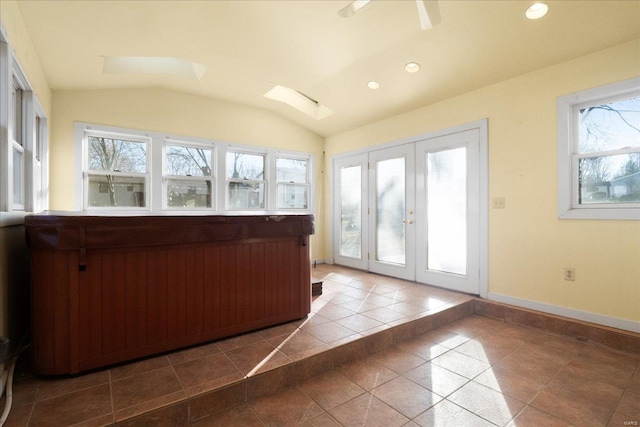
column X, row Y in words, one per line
column 133, row 301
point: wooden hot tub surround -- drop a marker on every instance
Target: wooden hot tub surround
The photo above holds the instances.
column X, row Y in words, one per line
column 109, row 289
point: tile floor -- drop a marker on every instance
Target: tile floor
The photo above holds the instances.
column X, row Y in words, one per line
column 473, row 371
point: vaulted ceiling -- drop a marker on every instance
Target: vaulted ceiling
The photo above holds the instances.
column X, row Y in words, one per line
column 249, row 47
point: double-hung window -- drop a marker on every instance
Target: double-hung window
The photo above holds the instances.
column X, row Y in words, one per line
column 23, row 140
column 188, row 176
column 17, row 142
column 246, row 181
column 292, row 176
column 599, row 153
column 117, row 171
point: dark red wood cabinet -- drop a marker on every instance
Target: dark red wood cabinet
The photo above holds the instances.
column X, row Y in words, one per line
column 108, row 289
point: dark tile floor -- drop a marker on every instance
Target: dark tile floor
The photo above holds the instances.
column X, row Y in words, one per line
column 473, row 371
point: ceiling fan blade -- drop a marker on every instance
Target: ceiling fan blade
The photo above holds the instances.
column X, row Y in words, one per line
column 429, row 13
column 352, row 8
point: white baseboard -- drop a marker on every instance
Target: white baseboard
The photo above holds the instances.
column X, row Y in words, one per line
column 627, row 325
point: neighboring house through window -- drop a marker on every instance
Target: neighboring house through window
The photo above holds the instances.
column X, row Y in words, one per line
column 599, row 153
column 123, row 169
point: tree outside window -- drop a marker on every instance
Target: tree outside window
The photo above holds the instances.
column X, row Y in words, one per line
column 609, row 152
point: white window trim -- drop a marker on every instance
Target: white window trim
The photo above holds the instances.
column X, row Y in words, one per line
column 265, row 178
column 35, row 173
column 135, row 137
column 156, row 177
column 212, row 178
column 568, row 207
column 277, row 183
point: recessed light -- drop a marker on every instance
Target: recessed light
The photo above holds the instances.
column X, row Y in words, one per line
column 412, row 67
column 373, row 85
column 537, row 11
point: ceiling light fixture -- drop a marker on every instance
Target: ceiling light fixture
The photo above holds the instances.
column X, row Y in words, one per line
column 153, row 65
column 373, row 85
column 537, row 11
column 412, row 67
column 299, row 101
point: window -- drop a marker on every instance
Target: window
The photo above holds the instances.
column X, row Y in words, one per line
column 23, row 139
column 292, row 178
column 245, row 180
column 119, row 169
column 188, row 176
column 17, row 132
column 116, row 171
column 599, row 153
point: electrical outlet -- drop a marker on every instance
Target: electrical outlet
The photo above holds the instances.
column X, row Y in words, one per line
column 570, row 274
column 498, row 203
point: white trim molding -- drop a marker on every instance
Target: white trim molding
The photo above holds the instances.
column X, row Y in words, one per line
column 568, row 206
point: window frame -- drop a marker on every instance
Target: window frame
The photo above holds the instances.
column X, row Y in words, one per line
column 33, row 144
column 265, row 181
column 305, row 184
column 568, row 108
column 156, row 182
column 166, row 177
column 86, row 172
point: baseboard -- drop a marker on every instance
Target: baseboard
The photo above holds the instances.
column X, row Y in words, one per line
column 585, row 316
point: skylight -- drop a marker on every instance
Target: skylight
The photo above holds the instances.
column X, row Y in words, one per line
column 153, row 65
column 299, row 101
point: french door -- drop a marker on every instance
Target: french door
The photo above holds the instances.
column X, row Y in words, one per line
column 448, row 199
column 412, row 211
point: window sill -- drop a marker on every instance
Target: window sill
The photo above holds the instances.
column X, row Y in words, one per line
column 632, row 214
column 8, row 219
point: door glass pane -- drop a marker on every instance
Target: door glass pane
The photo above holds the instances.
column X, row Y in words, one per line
column 447, row 211
column 351, row 211
column 390, row 209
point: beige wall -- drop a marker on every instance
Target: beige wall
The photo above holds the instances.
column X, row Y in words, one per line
column 174, row 113
column 528, row 245
column 29, row 62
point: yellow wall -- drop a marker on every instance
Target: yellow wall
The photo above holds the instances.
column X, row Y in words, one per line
column 29, row 61
column 528, row 245
column 174, row 113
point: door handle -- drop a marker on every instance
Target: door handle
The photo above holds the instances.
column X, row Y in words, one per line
column 408, row 221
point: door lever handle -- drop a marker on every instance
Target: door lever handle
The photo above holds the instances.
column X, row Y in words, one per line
column 408, row 221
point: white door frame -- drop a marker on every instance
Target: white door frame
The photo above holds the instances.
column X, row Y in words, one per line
column 483, row 177
column 470, row 281
column 357, row 160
